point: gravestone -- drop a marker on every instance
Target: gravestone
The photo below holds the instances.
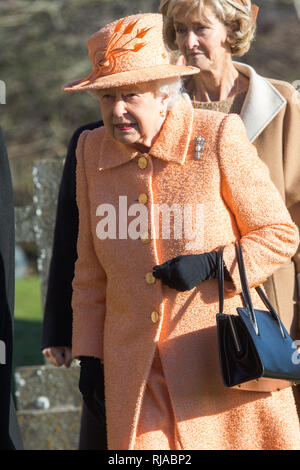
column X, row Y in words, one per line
column 35, row 223
column 48, row 399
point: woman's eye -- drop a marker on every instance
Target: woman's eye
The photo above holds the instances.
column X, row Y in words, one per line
column 130, row 96
column 107, row 97
column 180, row 30
column 200, row 28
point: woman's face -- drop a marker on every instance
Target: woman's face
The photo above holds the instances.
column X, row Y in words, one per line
column 132, row 115
column 202, row 44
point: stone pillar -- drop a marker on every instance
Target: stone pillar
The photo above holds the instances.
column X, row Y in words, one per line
column 35, row 223
column 46, row 177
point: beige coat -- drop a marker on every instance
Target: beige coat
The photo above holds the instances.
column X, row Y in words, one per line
column 271, row 114
column 122, row 316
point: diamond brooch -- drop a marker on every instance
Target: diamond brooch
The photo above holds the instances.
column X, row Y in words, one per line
column 199, row 143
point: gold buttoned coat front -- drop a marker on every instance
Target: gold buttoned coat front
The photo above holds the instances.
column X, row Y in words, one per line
column 121, row 316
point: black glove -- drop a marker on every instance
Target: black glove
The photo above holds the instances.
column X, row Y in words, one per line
column 185, row 272
column 91, row 385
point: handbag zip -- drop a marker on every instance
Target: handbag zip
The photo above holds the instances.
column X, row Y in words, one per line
column 235, row 337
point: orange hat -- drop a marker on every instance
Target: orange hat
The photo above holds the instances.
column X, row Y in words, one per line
column 128, row 52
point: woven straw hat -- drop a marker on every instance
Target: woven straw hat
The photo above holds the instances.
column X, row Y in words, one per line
column 128, row 52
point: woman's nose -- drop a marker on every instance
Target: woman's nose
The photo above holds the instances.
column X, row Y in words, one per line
column 119, row 107
column 191, row 40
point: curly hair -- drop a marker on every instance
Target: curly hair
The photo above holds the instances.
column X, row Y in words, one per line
column 236, row 17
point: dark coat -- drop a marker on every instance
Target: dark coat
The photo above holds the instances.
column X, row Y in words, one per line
column 57, row 324
column 9, row 430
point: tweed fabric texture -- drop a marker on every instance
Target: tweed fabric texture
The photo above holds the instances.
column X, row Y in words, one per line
column 122, row 54
column 112, row 302
column 231, row 105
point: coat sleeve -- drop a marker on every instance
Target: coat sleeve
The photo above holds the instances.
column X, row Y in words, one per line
column 89, row 283
column 268, row 235
column 291, row 162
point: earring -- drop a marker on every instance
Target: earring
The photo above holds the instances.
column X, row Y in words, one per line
column 162, row 113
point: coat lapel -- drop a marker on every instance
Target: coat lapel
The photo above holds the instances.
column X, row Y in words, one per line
column 262, row 103
column 178, row 124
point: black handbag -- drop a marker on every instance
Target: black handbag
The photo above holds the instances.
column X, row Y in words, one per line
column 254, row 343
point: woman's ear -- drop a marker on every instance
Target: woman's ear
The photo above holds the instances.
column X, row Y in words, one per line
column 164, row 102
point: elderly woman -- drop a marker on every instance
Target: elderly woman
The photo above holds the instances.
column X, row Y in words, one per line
column 209, row 34
column 156, row 155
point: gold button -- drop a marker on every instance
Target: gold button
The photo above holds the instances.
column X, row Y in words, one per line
column 150, row 279
column 154, row 317
column 143, row 198
column 145, row 238
column 142, row 163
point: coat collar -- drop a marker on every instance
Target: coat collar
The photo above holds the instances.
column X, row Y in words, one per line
column 262, row 103
column 178, row 121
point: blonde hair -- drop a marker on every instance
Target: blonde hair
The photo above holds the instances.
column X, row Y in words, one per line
column 237, row 18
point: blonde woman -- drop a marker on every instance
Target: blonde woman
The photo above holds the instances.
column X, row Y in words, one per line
column 209, row 34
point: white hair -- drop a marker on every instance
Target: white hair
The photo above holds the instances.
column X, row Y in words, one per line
column 172, row 87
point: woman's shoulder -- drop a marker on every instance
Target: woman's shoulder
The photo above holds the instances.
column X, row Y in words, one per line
column 211, row 123
column 285, row 88
column 88, row 140
column 208, row 117
column 88, row 148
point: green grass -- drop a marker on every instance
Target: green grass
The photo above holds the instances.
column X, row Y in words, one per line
column 28, row 322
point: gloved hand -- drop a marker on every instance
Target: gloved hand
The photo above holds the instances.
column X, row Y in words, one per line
column 185, row 272
column 91, row 385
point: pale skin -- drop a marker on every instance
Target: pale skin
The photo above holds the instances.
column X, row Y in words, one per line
column 204, row 45
column 134, row 116
column 58, row 356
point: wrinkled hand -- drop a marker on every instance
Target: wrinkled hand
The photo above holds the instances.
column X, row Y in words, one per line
column 185, row 272
column 58, row 355
column 91, row 385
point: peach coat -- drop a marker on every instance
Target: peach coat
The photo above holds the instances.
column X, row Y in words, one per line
column 122, row 317
column 271, row 114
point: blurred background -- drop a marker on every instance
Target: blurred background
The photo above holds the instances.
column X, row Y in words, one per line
column 42, row 48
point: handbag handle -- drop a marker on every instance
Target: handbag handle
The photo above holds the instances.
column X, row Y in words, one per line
column 246, row 292
column 245, row 289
